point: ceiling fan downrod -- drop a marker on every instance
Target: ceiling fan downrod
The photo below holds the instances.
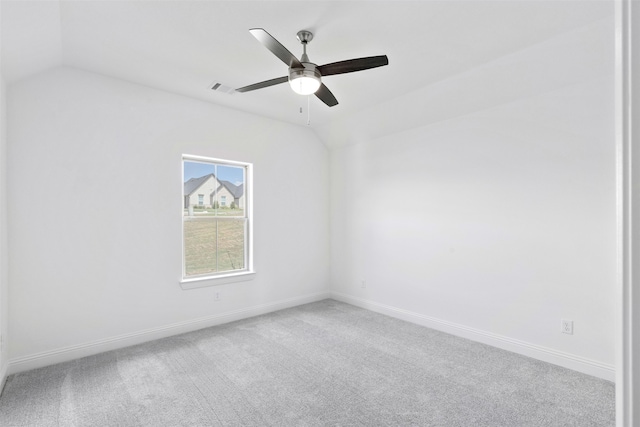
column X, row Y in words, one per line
column 305, row 37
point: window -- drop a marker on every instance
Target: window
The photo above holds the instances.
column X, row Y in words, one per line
column 216, row 238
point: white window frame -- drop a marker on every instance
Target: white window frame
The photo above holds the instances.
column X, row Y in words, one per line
column 213, row 279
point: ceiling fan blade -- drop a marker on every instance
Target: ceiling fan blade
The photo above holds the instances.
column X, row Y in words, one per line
column 275, row 47
column 351, row 65
column 264, row 84
column 325, row 95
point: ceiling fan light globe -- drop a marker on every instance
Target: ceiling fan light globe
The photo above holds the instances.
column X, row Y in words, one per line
column 305, row 85
column 304, row 81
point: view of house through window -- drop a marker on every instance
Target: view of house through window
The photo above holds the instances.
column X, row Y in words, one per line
column 215, row 220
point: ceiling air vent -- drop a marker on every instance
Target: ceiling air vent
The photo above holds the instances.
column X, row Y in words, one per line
column 219, row 87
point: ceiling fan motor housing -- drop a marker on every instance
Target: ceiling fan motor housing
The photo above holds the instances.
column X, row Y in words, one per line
column 310, row 70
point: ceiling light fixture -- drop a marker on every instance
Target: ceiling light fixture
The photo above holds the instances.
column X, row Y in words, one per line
column 305, row 81
column 304, row 76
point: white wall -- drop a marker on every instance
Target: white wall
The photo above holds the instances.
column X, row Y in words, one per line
column 507, row 222
column 90, row 264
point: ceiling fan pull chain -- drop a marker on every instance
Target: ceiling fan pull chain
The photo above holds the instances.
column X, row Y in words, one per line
column 308, row 110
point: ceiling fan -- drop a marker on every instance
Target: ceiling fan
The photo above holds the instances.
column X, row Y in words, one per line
column 305, row 77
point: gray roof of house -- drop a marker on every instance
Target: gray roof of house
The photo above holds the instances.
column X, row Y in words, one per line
column 194, row 183
column 236, row 190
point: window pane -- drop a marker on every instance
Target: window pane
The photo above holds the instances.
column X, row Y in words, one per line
column 230, row 194
column 212, row 245
column 200, row 185
column 200, row 245
column 231, row 244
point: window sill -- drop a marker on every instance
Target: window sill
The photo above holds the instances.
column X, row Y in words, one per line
column 205, row 281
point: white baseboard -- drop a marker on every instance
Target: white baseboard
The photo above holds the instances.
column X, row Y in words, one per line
column 39, row 360
column 570, row 361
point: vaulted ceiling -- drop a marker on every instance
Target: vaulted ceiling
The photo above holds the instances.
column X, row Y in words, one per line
column 185, row 46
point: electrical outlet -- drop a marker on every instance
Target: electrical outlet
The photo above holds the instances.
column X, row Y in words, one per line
column 567, row 326
column 216, row 296
column 363, row 284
